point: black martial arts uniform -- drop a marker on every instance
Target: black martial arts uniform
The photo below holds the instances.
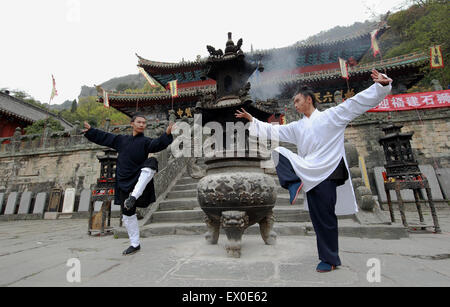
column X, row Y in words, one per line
column 132, row 157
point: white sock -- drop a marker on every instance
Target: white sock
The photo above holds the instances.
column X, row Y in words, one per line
column 145, row 177
column 132, row 226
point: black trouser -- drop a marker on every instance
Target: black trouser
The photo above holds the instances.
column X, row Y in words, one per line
column 321, row 204
column 122, row 197
column 285, row 172
column 142, row 202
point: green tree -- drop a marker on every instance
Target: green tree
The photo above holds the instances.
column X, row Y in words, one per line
column 73, row 109
column 88, row 109
column 124, row 86
column 416, row 29
column 38, row 126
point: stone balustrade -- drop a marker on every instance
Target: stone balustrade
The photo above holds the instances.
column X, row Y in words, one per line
column 61, row 141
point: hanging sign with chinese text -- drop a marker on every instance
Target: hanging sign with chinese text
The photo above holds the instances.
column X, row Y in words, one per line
column 404, row 102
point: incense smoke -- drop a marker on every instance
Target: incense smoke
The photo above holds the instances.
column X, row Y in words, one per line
column 277, row 65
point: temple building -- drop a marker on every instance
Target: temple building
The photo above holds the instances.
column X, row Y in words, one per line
column 17, row 113
column 284, row 69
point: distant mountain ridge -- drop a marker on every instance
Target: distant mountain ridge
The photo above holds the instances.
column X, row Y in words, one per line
column 340, row 33
column 134, row 80
column 66, row 105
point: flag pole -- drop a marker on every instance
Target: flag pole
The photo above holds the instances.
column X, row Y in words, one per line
column 53, row 94
column 384, row 68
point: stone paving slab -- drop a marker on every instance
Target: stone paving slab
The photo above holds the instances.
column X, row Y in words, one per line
column 35, row 253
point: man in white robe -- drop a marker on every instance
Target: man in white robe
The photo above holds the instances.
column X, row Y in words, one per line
column 320, row 166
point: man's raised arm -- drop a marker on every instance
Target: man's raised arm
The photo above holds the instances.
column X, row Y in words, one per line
column 284, row 133
column 353, row 107
column 100, row 137
column 161, row 143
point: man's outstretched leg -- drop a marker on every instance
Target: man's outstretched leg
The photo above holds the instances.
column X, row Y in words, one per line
column 131, row 224
column 129, row 209
column 287, row 176
column 145, row 177
column 147, row 172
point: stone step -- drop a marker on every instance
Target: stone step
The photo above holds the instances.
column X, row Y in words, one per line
column 182, row 194
column 184, row 187
column 195, row 214
column 291, row 214
column 178, row 216
column 159, row 229
column 283, row 200
column 187, row 180
column 178, row 204
column 346, row 229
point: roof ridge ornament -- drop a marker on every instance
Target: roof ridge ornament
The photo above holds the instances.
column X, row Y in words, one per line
column 230, row 49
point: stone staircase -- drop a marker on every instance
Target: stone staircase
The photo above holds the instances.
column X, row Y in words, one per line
column 181, row 205
column 179, row 213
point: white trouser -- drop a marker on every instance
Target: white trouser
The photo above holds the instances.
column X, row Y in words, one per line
column 145, row 177
column 132, row 226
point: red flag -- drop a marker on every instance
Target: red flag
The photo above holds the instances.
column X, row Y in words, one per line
column 375, row 47
column 54, row 91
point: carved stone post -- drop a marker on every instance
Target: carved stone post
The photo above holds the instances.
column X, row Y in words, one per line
column 16, row 140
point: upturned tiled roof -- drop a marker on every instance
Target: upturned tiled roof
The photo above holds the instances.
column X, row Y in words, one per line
column 26, row 112
column 182, row 92
column 407, row 60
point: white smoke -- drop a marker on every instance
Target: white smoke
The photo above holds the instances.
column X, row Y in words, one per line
column 277, row 64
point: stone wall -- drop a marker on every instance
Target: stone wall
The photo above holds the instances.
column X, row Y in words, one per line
column 430, row 142
column 78, row 168
column 39, row 163
column 67, row 159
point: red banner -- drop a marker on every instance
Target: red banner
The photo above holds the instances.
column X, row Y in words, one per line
column 413, row 101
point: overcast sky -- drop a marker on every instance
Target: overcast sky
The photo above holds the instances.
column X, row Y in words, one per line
column 85, row 42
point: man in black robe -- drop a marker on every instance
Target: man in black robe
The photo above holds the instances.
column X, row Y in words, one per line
column 134, row 170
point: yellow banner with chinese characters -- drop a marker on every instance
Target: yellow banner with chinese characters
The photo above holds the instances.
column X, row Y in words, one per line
column 436, row 59
column 173, row 88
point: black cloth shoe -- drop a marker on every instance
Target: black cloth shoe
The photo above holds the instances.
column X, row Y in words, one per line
column 131, row 250
column 129, row 202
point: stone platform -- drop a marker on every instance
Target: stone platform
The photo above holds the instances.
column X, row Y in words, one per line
column 36, row 253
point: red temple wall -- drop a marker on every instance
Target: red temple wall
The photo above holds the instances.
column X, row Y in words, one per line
column 8, row 128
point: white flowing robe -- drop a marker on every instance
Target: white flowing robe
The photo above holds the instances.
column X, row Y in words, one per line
column 320, row 142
